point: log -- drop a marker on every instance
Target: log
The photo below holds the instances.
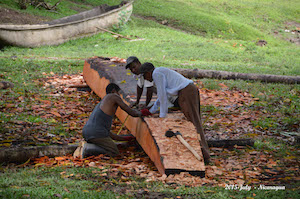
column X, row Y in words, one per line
column 213, row 74
column 22, row 154
column 230, row 143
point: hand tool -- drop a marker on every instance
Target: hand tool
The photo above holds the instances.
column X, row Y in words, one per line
column 178, row 135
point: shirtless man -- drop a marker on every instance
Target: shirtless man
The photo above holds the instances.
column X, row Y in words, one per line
column 169, row 82
column 96, row 132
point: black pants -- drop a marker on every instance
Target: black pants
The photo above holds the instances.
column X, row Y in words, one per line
column 97, row 146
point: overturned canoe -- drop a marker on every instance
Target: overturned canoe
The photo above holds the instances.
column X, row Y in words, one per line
column 61, row 30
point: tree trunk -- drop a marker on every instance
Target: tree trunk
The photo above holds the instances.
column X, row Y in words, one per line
column 22, row 154
column 213, row 74
column 230, row 143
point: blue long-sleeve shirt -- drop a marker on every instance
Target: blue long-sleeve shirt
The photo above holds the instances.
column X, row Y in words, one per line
column 168, row 82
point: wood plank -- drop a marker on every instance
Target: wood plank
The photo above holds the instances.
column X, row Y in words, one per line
column 168, row 154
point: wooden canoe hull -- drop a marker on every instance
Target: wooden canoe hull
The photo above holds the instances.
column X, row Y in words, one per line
column 54, row 33
column 168, row 154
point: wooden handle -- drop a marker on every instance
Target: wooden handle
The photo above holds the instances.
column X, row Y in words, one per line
column 180, row 138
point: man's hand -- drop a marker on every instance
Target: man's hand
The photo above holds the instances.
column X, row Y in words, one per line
column 138, row 106
column 145, row 112
column 134, row 104
column 128, row 138
column 142, row 106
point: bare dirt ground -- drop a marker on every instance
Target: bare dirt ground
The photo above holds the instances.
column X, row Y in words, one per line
column 236, row 165
column 291, row 32
column 8, row 16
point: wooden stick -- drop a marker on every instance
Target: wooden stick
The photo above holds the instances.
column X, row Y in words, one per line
column 178, row 135
column 187, row 145
column 170, row 133
column 53, row 7
column 122, row 125
column 208, row 116
column 114, row 33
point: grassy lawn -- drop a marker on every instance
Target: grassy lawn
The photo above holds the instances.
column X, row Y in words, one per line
column 216, row 35
column 70, row 182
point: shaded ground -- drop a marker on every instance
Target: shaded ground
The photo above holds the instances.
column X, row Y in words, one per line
column 63, row 113
column 60, row 117
column 70, row 108
column 292, row 32
column 9, row 16
column 239, row 165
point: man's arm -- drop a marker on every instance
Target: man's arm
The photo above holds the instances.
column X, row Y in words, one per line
column 160, row 82
column 127, row 109
column 121, row 138
column 139, row 92
column 149, row 95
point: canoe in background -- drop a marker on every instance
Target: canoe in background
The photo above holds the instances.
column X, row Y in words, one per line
column 58, row 31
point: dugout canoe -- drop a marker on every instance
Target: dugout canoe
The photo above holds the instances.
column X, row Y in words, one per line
column 168, row 154
column 58, row 31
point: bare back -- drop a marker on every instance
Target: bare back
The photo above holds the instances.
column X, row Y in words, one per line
column 112, row 101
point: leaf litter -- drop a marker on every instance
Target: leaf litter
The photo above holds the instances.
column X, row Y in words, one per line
column 69, row 108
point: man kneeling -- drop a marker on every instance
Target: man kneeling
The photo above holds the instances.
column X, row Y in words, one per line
column 96, row 132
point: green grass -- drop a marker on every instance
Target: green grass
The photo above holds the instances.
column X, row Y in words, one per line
column 217, row 35
column 242, row 20
column 166, row 47
column 22, row 73
column 172, row 48
column 71, row 182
